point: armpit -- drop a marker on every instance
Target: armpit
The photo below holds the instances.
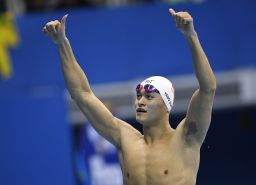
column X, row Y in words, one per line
column 192, row 128
column 191, row 131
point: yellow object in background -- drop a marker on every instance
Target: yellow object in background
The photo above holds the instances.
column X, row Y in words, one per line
column 8, row 38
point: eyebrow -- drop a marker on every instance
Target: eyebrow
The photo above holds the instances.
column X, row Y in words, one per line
column 145, row 93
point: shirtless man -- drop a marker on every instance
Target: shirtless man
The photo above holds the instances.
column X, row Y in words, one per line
column 161, row 155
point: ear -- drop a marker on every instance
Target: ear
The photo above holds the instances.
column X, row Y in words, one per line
column 166, row 109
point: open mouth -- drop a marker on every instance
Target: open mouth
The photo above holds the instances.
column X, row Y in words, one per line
column 141, row 110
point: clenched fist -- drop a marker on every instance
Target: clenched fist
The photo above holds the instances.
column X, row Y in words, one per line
column 184, row 22
column 56, row 29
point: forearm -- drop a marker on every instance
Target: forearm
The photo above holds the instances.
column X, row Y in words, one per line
column 74, row 76
column 202, row 68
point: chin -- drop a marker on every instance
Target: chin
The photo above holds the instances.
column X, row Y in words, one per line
column 143, row 121
column 140, row 120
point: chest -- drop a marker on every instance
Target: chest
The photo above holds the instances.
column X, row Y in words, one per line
column 161, row 153
column 161, row 163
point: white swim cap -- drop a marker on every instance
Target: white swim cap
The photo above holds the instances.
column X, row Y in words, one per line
column 165, row 88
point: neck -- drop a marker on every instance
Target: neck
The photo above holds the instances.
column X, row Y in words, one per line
column 156, row 132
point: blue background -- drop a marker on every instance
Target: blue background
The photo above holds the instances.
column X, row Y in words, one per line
column 115, row 45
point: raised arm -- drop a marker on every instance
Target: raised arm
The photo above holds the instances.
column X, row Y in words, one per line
column 198, row 118
column 78, row 86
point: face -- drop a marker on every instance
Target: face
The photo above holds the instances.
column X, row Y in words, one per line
column 150, row 107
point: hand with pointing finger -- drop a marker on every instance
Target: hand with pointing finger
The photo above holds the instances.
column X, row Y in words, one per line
column 183, row 21
column 56, row 29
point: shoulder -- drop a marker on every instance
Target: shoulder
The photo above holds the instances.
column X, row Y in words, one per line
column 127, row 129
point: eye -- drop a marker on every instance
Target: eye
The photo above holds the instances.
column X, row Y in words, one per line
column 138, row 96
column 148, row 96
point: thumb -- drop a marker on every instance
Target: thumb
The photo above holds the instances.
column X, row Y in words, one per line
column 63, row 20
column 172, row 11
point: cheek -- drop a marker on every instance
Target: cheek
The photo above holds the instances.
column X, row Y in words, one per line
column 158, row 107
column 135, row 103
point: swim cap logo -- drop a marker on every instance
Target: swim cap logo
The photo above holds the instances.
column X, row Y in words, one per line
column 168, row 98
column 149, row 81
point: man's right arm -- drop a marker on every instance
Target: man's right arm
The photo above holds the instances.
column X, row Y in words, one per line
column 78, row 86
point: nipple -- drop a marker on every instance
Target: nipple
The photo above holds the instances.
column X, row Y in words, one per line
column 165, row 172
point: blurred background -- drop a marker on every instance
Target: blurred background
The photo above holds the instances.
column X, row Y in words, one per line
column 44, row 138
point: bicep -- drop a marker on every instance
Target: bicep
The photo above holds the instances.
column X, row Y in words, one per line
column 100, row 117
column 198, row 116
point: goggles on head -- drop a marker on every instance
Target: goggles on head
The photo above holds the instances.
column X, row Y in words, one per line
column 148, row 88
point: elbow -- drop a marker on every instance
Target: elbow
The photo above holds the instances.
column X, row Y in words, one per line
column 74, row 96
column 78, row 95
column 210, row 88
column 213, row 85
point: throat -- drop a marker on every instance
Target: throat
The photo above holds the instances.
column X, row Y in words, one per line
column 153, row 134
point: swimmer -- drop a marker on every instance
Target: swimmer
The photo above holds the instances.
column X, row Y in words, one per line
column 161, row 155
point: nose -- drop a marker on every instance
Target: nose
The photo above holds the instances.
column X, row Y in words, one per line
column 141, row 102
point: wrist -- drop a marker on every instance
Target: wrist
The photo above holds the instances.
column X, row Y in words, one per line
column 62, row 40
column 191, row 35
column 191, row 38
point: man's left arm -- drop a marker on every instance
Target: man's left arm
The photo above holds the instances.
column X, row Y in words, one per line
column 198, row 118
